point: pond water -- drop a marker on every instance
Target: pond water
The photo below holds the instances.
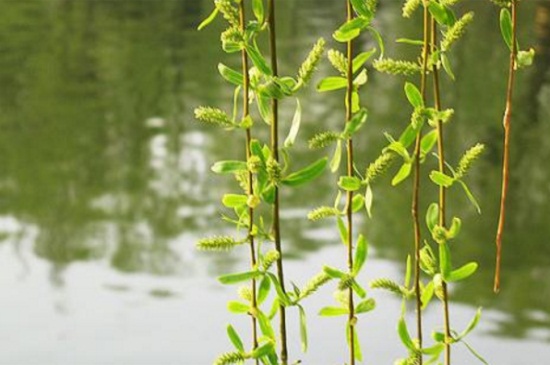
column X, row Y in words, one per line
column 105, row 186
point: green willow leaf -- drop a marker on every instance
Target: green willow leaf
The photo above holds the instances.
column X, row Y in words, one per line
column 295, row 126
column 470, row 196
column 237, row 307
column 336, row 158
column 334, row 273
column 332, row 83
column 427, row 294
column 365, row 306
column 447, row 66
column 379, row 40
column 351, row 29
column 281, row 295
column 369, row 197
column 408, row 271
column 263, row 350
column 357, row 203
column 361, row 253
column 440, row 13
column 258, row 9
column 333, row 311
column 404, row 334
column 355, row 123
column 303, row 328
column 234, row 338
column 265, row 325
column 413, row 95
column 471, row 326
column 432, row 216
column 263, row 289
column 441, row 179
column 258, row 60
column 475, row 353
column 361, row 58
column 209, row 19
column 342, row 230
column 463, row 272
column 240, row 277
column 412, row 42
column 358, row 289
column 349, row 183
column 402, row 174
column 361, row 7
column 506, row 28
column 428, row 142
column 445, row 265
column 234, row 200
column 229, row 167
column 232, row 76
column 307, row 174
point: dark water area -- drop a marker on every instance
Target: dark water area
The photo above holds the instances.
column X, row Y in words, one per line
column 105, row 184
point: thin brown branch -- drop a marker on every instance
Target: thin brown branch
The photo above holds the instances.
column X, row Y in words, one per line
column 276, row 205
column 349, row 195
column 246, row 112
column 442, row 189
column 416, row 187
column 506, row 122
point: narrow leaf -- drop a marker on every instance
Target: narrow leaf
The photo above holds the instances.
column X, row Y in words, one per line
column 333, row 311
column 463, row 272
column 307, row 174
column 295, row 127
column 240, row 277
column 234, row 338
column 361, row 253
column 413, row 95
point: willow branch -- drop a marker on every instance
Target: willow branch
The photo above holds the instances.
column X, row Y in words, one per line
column 276, row 206
column 246, row 112
column 349, row 195
column 506, row 122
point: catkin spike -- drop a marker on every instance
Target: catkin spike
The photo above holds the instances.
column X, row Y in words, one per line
column 219, row 243
column 314, row 284
column 322, row 140
column 338, row 61
column 396, row 67
column 456, row 31
column 230, row 358
column 468, row 158
column 273, row 171
column 323, row 212
column 379, row 166
column 389, row 285
column 213, row 116
column 245, row 293
column 232, row 35
column 269, row 258
column 229, row 12
column 310, row 64
column 346, row 282
column 410, row 7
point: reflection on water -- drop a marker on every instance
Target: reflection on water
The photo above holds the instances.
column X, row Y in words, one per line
column 105, row 176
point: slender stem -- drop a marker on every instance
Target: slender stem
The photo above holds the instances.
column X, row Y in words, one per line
column 442, row 190
column 416, row 187
column 276, row 206
column 349, row 195
column 506, row 157
column 246, row 112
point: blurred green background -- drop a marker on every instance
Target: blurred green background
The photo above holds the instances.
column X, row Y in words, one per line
column 105, row 184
